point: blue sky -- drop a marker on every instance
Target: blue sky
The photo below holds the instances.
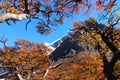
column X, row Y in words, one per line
column 17, row 31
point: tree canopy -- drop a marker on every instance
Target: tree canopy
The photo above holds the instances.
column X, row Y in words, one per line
column 49, row 12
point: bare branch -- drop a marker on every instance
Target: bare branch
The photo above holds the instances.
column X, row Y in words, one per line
column 2, row 74
column 26, row 7
column 55, row 66
column 27, row 24
column 10, row 16
column 20, row 76
column 3, row 42
column 51, row 67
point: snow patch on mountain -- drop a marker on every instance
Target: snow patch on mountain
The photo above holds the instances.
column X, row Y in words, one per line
column 57, row 42
column 52, row 48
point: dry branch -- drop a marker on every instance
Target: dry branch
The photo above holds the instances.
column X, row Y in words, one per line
column 51, row 67
column 10, row 16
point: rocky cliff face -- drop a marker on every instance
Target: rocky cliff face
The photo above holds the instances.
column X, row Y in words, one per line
column 69, row 46
column 59, row 41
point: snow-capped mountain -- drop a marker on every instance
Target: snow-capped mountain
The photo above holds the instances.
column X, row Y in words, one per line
column 67, row 46
column 59, row 41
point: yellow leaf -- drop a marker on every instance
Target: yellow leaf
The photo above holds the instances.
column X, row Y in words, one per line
column 13, row 10
column 118, row 14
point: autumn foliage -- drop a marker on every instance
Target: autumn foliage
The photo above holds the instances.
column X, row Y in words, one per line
column 92, row 36
column 117, row 68
column 31, row 61
column 27, row 58
column 105, row 39
column 81, row 67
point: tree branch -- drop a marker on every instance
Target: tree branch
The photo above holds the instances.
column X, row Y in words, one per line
column 51, row 67
column 3, row 74
column 3, row 42
column 26, row 7
column 10, row 16
column 20, row 76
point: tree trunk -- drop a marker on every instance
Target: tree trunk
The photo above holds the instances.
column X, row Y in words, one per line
column 113, row 48
column 108, row 66
column 108, row 69
column 109, row 72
